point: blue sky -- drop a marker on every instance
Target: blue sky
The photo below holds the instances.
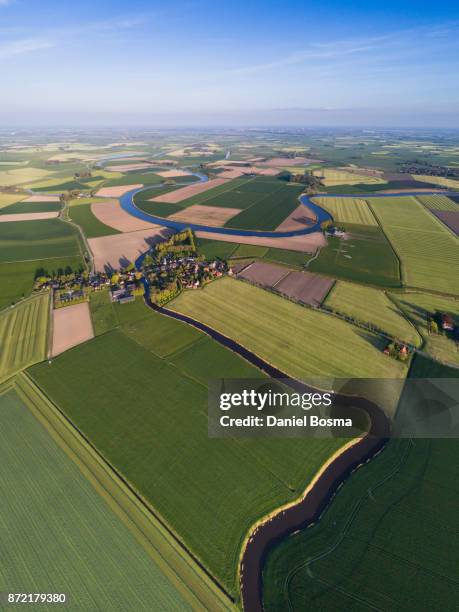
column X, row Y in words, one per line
column 198, row 61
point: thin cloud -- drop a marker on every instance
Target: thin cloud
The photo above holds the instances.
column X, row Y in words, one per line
column 23, row 46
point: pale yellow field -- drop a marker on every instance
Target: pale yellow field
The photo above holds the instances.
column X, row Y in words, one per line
column 332, row 177
column 439, row 180
column 9, row 198
column 19, row 176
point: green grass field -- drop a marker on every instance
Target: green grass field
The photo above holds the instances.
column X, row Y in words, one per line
column 249, row 250
column 438, row 202
column 26, row 240
column 161, row 445
column 59, row 533
column 23, row 334
column 216, row 248
column 269, row 209
column 300, row 341
column 365, row 257
column 348, row 210
column 427, row 250
column 91, row 226
column 31, row 207
column 419, row 308
column 382, row 534
column 223, row 195
column 369, row 305
column 16, row 278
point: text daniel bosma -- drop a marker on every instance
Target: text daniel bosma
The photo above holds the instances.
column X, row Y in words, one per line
column 251, row 399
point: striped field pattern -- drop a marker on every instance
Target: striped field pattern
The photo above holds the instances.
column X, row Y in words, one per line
column 428, row 251
column 348, row 210
column 439, row 202
column 23, row 335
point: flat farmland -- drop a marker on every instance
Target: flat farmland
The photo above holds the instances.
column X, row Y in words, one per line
column 300, row 341
column 17, row 277
column 25, row 240
column 7, row 199
column 268, row 212
column 422, row 307
column 83, row 216
column 348, row 210
column 26, row 207
column 23, row 335
column 382, row 532
column 438, row 202
column 331, row 177
column 366, row 256
column 59, row 535
column 163, row 435
column 264, row 274
column 305, row 287
column 449, row 218
column 427, row 250
column 371, row 306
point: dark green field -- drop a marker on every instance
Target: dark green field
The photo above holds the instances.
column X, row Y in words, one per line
column 216, row 248
column 31, row 207
column 365, row 258
column 387, row 542
column 151, row 424
column 26, row 240
column 16, row 278
column 82, row 215
column 270, row 209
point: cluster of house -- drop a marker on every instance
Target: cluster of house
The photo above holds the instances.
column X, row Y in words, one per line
column 190, row 271
column 397, row 350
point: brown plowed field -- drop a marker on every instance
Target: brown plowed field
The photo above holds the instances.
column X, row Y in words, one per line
column 305, row 287
column 264, row 274
column 178, row 195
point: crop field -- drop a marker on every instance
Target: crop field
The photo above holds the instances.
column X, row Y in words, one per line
column 39, row 535
column 439, row 180
column 294, row 259
column 300, row 341
column 267, row 212
column 250, row 250
column 216, row 248
column 438, row 202
column 91, row 226
column 365, row 257
column 348, row 210
column 427, row 250
column 422, row 307
column 7, row 199
column 371, row 306
column 23, row 335
column 31, row 207
column 331, row 177
column 164, row 434
column 16, row 278
column 26, row 240
column 20, row 176
column 382, row 532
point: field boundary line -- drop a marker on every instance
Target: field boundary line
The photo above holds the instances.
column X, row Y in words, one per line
column 172, row 558
column 401, row 268
column 430, row 212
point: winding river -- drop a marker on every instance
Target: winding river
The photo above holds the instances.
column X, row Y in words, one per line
column 320, row 492
column 315, row 499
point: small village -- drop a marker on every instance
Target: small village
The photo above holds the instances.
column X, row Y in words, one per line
column 167, row 268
